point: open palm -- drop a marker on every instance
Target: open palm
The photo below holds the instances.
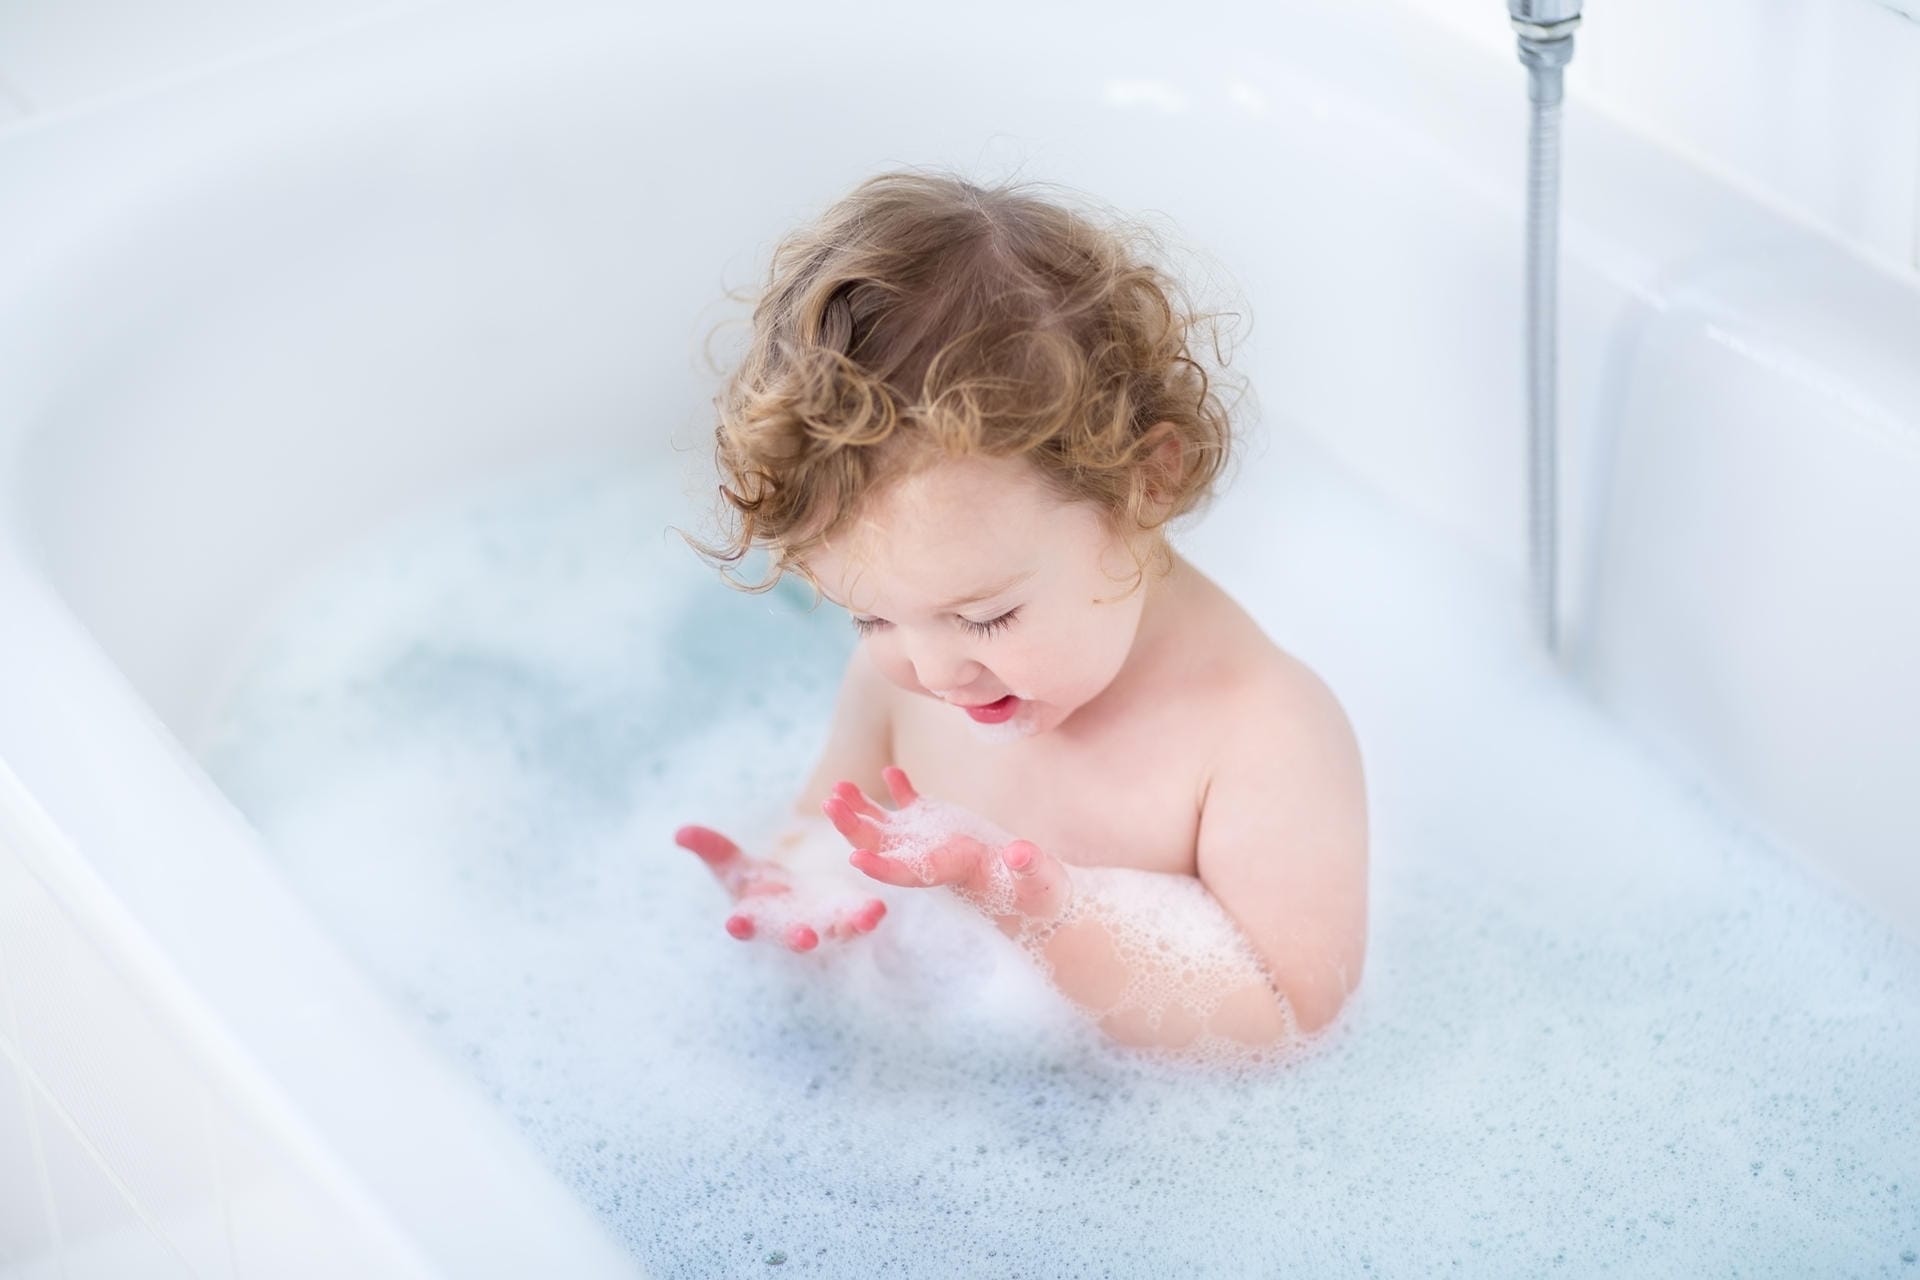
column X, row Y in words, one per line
column 768, row 902
column 918, row 845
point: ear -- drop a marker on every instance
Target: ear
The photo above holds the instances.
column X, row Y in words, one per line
column 1164, row 463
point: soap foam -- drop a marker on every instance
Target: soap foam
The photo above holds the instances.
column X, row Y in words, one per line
column 1601, row 1027
column 1183, row 952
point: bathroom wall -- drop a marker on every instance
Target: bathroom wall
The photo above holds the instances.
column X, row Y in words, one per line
column 1811, row 105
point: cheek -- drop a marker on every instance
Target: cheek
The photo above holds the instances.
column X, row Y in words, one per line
column 891, row 662
column 1096, row 646
column 1025, row 667
column 1053, row 664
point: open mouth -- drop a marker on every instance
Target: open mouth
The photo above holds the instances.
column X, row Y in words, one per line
column 994, row 712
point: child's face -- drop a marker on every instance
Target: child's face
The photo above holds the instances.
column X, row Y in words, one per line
column 1052, row 628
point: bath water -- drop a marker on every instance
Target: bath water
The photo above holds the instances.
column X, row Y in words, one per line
column 1602, row 1027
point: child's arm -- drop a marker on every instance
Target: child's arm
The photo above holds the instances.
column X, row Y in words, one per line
column 1153, row 957
column 1278, row 914
column 1283, row 864
column 859, row 744
column 1273, row 930
column 1283, row 845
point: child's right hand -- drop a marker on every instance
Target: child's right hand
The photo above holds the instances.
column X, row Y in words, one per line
column 767, row 905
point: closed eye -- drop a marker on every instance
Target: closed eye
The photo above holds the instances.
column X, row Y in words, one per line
column 867, row 626
column 988, row 628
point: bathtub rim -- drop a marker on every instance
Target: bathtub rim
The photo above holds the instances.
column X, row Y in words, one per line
column 432, row 1169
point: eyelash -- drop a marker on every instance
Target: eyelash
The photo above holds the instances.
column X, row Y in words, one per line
column 867, row 626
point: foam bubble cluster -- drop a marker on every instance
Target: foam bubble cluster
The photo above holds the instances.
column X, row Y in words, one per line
column 1181, row 953
column 1601, row 1027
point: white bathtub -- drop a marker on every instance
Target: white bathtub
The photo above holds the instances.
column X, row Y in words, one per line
column 246, row 318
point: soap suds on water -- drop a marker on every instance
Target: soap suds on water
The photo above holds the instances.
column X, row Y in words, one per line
column 1601, row 1027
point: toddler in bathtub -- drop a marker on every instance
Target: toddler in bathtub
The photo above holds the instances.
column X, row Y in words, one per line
column 965, row 416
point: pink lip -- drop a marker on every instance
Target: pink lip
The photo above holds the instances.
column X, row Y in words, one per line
column 994, row 712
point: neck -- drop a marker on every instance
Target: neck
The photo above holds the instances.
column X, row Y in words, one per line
column 1158, row 612
column 1157, row 615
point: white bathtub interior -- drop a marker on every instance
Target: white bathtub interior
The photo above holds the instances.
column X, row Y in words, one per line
column 234, row 363
column 444, row 713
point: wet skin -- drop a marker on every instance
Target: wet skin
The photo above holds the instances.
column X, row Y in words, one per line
column 881, row 850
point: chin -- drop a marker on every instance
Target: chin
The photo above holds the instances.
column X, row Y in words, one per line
column 1044, row 717
column 1011, row 731
column 1031, row 718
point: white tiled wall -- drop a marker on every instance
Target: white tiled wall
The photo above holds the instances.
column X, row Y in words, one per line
column 1812, row 105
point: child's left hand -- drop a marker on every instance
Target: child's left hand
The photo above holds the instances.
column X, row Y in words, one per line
column 1041, row 889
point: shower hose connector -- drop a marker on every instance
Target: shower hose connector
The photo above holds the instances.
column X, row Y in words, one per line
column 1545, row 30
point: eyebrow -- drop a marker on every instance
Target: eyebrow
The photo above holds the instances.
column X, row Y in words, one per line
column 991, row 592
column 977, row 596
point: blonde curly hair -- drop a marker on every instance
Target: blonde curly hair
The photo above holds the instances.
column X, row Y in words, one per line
column 925, row 317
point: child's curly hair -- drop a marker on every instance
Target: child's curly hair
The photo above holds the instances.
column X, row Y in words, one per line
column 925, row 317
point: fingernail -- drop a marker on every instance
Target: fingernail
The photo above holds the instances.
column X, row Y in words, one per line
column 802, row 938
column 1018, row 857
column 740, row 927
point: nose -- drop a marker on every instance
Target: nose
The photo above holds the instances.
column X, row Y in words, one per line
column 941, row 666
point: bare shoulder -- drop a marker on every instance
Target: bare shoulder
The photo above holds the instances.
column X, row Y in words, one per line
column 1283, row 707
column 1260, row 697
column 1283, row 829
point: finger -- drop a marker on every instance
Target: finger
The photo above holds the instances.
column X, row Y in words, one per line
column 855, row 921
column 888, row 870
column 860, row 832
column 1040, row 883
column 714, row 849
column 801, row 937
column 740, row 926
column 857, row 799
column 903, row 792
column 957, row 860
column 842, row 926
